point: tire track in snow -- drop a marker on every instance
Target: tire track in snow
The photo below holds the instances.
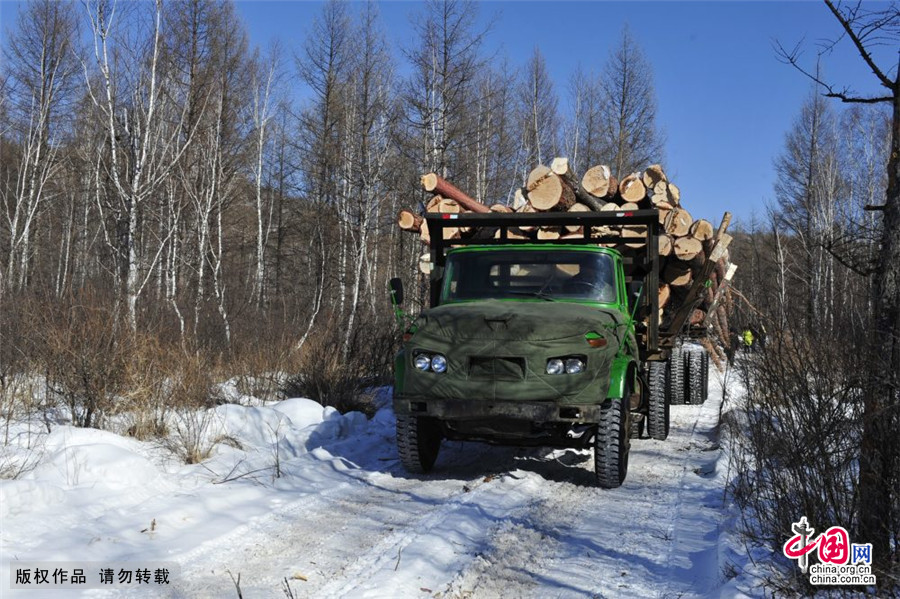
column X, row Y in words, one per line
column 418, row 555
column 654, row 536
column 322, row 535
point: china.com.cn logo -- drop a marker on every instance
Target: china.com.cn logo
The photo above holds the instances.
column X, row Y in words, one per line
column 840, row 562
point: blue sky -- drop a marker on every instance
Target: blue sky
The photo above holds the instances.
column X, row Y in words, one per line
column 724, row 100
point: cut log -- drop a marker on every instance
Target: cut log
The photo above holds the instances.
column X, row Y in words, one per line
column 637, row 233
column 678, row 223
column 511, row 233
column 677, row 275
column 702, row 229
column 653, row 174
column 431, row 182
column 632, row 189
column 560, row 166
column 547, row 190
column 608, row 230
column 527, row 208
column 577, row 207
column 409, row 221
column 664, row 210
column 501, row 208
column 599, row 182
column 665, row 293
column 674, row 194
column 687, row 248
column 434, row 204
column 629, row 206
column 605, row 231
column 659, row 194
column 548, row 233
column 448, row 206
column 519, row 200
column 425, row 265
column 665, row 245
column 449, row 233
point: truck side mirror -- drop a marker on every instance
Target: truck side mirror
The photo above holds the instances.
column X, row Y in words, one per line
column 396, row 287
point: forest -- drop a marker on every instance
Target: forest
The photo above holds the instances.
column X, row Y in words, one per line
column 176, row 214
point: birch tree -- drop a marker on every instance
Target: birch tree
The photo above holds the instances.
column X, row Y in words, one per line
column 538, row 113
column 143, row 145
column 264, row 75
column 41, row 66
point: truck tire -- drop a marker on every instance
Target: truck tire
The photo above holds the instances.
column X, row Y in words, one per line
column 611, row 445
column 675, row 377
column 694, row 394
column 705, row 368
column 418, row 442
column 658, row 414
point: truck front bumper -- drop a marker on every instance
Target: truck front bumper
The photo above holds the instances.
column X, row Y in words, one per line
column 477, row 409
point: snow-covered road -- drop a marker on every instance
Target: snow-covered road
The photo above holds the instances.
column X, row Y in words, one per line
column 344, row 520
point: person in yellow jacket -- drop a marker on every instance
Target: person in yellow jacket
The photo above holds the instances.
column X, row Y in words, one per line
column 747, row 338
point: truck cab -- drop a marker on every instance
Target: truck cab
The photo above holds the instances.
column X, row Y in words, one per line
column 529, row 344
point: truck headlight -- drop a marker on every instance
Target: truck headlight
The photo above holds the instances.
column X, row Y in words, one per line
column 574, row 366
column 423, row 362
column 439, row 363
column 555, row 366
column 566, row 365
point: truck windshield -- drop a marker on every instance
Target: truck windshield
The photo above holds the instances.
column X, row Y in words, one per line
column 549, row 275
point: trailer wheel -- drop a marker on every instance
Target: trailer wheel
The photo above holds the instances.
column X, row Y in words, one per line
column 658, row 415
column 418, row 442
column 637, row 425
column 694, row 394
column 675, row 377
column 611, row 445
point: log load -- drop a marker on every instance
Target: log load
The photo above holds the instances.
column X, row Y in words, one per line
column 693, row 254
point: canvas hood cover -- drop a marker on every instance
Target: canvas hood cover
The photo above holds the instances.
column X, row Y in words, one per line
column 498, row 350
column 514, row 321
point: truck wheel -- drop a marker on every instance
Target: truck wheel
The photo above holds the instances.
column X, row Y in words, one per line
column 694, row 393
column 611, row 445
column 675, row 377
column 705, row 370
column 418, row 442
column 658, row 415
